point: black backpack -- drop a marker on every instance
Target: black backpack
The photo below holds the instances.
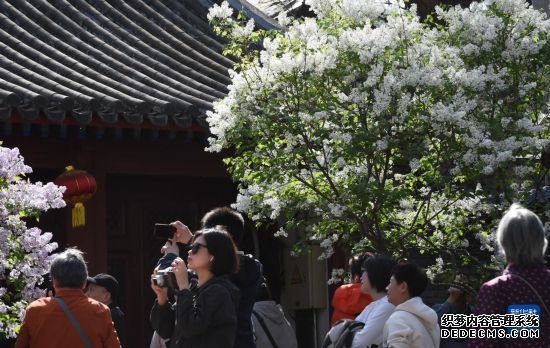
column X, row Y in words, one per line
column 341, row 334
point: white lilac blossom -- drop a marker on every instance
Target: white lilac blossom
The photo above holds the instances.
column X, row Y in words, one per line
column 22, row 195
column 368, row 124
column 486, row 240
column 336, row 209
column 328, row 247
column 222, row 11
column 414, row 163
column 25, row 252
column 281, row 233
column 337, row 276
column 242, row 32
column 11, row 163
column 430, row 274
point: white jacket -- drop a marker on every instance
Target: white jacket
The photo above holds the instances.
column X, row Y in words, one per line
column 374, row 316
column 412, row 325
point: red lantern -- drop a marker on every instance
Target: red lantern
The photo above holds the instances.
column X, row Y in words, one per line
column 81, row 186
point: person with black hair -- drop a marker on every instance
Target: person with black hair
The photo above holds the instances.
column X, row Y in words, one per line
column 249, row 276
column 374, row 280
column 412, row 324
column 348, row 299
column 204, row 315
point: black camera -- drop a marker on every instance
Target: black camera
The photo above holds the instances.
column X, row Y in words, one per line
column 165, row 278
column 164, row 231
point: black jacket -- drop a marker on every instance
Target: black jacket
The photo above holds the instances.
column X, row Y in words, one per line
column 248, row 279
column 120, row 326
column 202, row 317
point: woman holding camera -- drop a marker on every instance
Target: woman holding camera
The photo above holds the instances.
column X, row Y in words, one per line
column 204, row 313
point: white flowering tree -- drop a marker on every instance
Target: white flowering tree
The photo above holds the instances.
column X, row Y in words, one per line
column 24, row 251
column 369, row 128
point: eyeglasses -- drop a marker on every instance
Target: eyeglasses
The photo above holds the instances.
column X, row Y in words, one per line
column 195, row 247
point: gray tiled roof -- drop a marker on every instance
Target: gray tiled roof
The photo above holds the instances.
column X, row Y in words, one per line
column 274, row 8
column 132, row 59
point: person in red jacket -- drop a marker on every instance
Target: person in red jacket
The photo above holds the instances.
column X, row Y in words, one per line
column 348, row 300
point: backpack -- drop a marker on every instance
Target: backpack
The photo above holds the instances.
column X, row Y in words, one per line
column 341, row 334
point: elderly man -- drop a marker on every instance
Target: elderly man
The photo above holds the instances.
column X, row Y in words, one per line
column 70, row 319
column 104, row 288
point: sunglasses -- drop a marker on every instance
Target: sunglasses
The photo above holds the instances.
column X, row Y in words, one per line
column 195, row 247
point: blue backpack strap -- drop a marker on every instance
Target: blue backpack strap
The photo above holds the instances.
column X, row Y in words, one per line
column 74, row 322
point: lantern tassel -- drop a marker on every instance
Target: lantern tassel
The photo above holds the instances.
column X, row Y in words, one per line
column 79, row 215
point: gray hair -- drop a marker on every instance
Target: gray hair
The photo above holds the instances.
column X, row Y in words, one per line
column 69, row 269
column 520, row 236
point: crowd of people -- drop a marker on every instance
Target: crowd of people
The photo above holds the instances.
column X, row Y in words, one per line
column 217, row 296
column 222, row 299
column 397, row 317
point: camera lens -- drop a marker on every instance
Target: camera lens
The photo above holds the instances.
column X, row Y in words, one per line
column 159, row 280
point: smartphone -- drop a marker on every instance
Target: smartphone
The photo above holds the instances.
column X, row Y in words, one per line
column 164, row 231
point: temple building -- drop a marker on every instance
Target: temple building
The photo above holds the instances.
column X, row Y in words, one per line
column 119, row 89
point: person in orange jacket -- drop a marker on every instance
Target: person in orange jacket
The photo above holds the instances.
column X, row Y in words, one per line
column 70, row 318
column 348, row 300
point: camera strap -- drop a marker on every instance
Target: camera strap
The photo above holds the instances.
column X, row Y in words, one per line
column 74, row 322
